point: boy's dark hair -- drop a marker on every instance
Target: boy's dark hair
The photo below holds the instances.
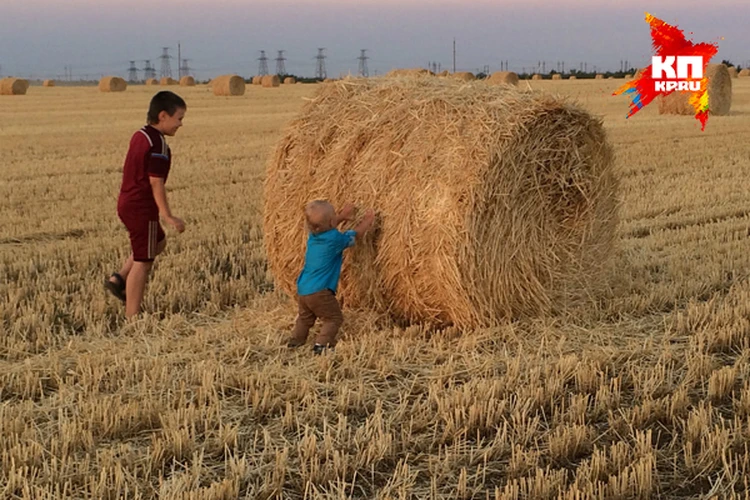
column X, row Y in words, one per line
column 164, row 101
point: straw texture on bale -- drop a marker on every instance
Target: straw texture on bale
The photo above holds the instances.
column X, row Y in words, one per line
column 536, row 77
column 48, row 83
column 491, row 203
column 410, row 72
column 599, row 77
column 270, row 81
column 152, row 81
column 744, row 72
column 13, row 86
column 290, row 80
column 557, row 76
column 257, row 80
column 228, row 85
column 112, row 84
column 719, row 95
column 503, row 77
column 187, row 81
column 464, row 76
column 167, row 81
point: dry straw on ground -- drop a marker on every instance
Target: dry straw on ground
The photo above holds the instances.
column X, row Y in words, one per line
column 112, row 84
column 48, row 83
column 290, row 80
column 719, row 95
column 257, row 80
column 744, row 72
column 503, row 77
column 270, row 81
column 410, row 72
column 187, row 81
column 228, row 85
column 491, row 203
column 152, row 81
column 465, row 76
column 13, row 86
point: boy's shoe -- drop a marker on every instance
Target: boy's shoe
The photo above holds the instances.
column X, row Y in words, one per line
column 116, row 289
column 320, row 349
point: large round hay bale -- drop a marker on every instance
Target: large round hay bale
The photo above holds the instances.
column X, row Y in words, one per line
column 745, row 72
column 719, row 95
column 491, row 203
column 464, row 76
column 290, row 80
column 270, row 81
column 409, row 72
column 257, row 80
column 228, row 85
column 536, row 77
column 503, row 77
column 152, row 81
column 166, row 80
column 187, row 81
column 13, row 86
column 112, row 84
column 557, row 76
column 48, row 83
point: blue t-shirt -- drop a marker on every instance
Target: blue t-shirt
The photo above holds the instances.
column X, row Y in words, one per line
column 323, row 258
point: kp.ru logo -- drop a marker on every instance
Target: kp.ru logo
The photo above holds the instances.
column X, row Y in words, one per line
column 667, row 79
column 678, row 66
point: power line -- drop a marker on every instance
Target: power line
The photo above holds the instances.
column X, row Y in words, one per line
column 166, row 67
column 149, row 71
column 320, row 68
column 280, row 68
column 263, row 65
column 132, row 73
column 185, row 70
column 363, row 71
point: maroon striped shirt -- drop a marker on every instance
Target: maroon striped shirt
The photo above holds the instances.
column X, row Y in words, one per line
column 148, row 156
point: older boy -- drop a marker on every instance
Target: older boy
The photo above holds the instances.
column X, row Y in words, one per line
column 143, row 198
column 318, row 281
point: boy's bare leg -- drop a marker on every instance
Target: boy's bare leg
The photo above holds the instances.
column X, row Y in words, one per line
column 125, row 270
column 135, row 287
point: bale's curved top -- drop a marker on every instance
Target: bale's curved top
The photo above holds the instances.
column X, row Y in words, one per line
column 270, row 81
column 744, row 72
column 187, row 81
column 257, row 80
column 290, row 80
column 228, row 85
column 491, row 203
column 48, row 83
column 151, row 81
column 503, row 77
column 409, row 72
column 465, row 76
column 166, row 80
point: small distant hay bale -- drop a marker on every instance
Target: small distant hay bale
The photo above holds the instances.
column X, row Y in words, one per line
column 112, row 84
column 464, row 76
column 599, row 77
column 572, row 77
column 557, row 76
column 628, row 75
column 257, row 80
column 732, row 71
column 168, row 81
column 537, row 76
column 228, row 85
column 409, row 72
column 503, row 77
column 494, row 204
column 152, row 81
column 719, row 95
column 48, row 83
column 444, row 73
column 744, row 73
column 13, row 86
column 270, row 81
column 187, row 81
column 290, row 80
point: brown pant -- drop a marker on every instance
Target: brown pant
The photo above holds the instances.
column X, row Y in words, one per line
column 321, row 305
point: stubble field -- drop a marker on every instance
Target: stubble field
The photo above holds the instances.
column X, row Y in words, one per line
column 644, row 394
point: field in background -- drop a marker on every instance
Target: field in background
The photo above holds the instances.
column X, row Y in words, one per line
column 645, row 395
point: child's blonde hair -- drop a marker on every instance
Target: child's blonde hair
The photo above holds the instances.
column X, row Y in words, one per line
column 318, row 215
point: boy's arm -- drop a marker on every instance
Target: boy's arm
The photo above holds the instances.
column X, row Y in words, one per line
column 365, row 224
column 160, row 195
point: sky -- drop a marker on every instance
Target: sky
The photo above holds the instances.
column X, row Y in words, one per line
column 41, row 38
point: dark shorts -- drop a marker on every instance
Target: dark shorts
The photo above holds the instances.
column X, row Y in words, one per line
column 145, row 234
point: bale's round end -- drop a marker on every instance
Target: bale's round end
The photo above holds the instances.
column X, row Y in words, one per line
column 112, row 84
column 228, row 85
